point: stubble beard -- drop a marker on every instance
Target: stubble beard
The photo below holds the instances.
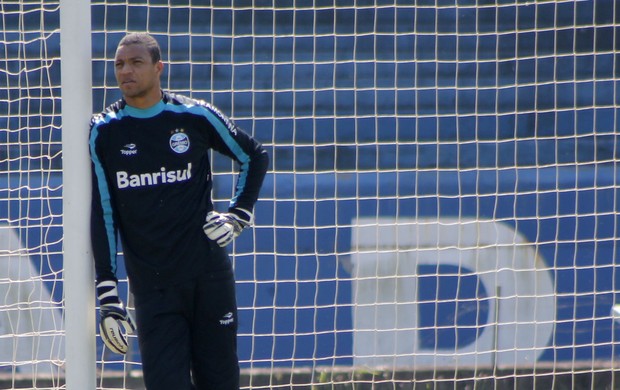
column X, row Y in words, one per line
column 131, row 92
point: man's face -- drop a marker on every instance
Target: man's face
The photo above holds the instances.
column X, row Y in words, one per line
column 136, row 74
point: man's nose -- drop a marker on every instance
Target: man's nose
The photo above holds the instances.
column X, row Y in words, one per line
column 123, row 69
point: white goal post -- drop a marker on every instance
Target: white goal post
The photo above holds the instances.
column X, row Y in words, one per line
column 441, row 206
column 76, row 93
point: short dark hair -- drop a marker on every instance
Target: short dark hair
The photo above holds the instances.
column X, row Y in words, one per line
column 143, row 39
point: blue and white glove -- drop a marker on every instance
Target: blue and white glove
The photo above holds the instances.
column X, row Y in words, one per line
column 224, row 227
column 112, row 314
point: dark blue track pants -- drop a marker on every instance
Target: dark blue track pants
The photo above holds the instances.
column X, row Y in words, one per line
column 188, row 335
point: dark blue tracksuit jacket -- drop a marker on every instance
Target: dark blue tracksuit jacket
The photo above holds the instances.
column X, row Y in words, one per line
column 152, row 185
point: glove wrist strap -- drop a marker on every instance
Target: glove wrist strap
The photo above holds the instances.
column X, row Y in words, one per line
column 107, row 293
column 244, row 217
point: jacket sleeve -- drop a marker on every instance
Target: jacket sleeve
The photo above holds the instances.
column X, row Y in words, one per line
column 103, row 229
column 249, row 153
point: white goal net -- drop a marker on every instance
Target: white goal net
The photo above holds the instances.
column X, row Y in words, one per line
column 31, row 328
column 441, row 206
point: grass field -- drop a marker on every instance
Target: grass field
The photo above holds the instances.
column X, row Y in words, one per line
column 549, row 378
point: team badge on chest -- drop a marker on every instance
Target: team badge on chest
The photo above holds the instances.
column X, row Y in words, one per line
column 179, row 141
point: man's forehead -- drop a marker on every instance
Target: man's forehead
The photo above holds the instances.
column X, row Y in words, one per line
column 132, row 51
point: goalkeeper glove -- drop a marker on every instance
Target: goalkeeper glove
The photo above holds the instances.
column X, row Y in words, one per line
column 112, row 314
column 224, row 227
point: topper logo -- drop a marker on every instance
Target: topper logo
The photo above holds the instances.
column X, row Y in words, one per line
column 129, row 150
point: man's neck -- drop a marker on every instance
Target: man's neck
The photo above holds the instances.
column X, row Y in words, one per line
column 144, row 102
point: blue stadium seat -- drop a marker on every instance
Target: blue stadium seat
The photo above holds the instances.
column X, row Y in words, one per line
column 382, row 63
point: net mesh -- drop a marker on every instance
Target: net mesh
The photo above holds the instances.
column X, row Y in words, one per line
column 442, row 194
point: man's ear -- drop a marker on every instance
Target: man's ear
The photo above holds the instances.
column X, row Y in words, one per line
column 160, row 67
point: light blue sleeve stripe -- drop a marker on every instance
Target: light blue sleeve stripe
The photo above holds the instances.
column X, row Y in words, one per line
column 224, row 133
column 104, row 193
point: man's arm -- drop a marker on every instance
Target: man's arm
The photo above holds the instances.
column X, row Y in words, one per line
column 249, row 153
column 113, row 317
column 102, row 224
column 253, row 163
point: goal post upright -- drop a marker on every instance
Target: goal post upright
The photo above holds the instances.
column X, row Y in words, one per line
column 76, row 92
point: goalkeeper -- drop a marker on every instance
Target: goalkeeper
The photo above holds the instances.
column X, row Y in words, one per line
column 151, row 187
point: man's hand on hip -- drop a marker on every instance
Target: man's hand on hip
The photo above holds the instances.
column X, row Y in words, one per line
column 225, row 227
